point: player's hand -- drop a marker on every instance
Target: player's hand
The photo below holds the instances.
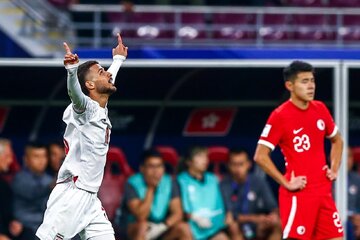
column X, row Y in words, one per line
column 4, row 237
column 330, row 174
column 152, row 182
column 120, row 49
column 155, row 230
column 69, row 58
column 296, row 183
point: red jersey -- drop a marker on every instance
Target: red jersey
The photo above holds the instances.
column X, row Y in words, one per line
column 300, row 135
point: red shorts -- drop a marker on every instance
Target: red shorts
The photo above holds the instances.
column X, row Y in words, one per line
column 309, row 217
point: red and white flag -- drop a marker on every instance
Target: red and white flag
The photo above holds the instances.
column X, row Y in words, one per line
column 209, row 122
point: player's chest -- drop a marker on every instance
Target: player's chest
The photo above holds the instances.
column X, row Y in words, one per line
column 304, row 130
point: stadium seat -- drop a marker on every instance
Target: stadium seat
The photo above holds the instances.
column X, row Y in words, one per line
column 218, row 157
column 117, row 170
column 146, row 25
column 350, row 30
column 307, row 3
column 344, row 3
column 170, row 156
column 192, row 26
column 233, row 26
column 275, row 27
column 314, row 27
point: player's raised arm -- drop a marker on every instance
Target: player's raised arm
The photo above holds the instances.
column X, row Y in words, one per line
column 119, row 55
column 71, row 62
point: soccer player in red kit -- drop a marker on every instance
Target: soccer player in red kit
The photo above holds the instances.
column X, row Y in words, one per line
column 299, row 126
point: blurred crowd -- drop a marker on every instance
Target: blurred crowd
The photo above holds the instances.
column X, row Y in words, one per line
column 158, row 202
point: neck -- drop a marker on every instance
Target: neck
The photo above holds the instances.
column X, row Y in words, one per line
column 196, row 174
column 299, row 102
column 238, row 179
column 102, row 99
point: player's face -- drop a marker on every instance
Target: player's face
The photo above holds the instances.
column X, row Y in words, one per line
column 199, row 162
column 101, row 79
column 153, row 168
column 36, row 159
column 303, row 87
column 239, row 165
column 6, row 158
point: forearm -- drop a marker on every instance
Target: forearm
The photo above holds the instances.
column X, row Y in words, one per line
column 336, row 153
column 244, row 218
column 115, row 66
column 74, row 90
column 143, row 209
column 267, row 165
column 174, row 218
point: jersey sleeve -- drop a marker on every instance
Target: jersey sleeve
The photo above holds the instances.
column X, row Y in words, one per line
column 272, row 131
column 78, row 98
column 115, row 66
column 330, row 126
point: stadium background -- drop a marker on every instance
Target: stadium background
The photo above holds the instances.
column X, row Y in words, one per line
column 33, row 94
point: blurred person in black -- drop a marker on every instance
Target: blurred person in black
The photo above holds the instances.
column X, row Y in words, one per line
column 249, row 200
column 10, row 228
column 56, row 153
column 353, row 196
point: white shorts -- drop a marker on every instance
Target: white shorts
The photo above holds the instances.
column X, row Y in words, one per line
column 70, row 211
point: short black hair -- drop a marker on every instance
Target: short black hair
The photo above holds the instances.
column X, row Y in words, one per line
column 35, row 145
column 149, row 153
column 296, row 67
column 82, row 72
column 235, row 151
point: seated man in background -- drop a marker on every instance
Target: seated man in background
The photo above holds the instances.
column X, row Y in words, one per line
column 249, row 199
column 31, row 187
column 202, row 200
column 56, row 153
column 152, row 202
column 353, row 197
column 10, row 228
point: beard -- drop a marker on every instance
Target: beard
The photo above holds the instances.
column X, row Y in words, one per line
column 107, row 90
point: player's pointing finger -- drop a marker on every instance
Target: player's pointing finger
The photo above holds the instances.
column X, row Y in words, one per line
column 67, row 49
column 119, row 38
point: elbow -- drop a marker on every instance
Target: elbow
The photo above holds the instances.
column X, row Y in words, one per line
column 258, row 158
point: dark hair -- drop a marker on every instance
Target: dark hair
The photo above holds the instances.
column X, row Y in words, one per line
column 235, row 151
column 296, row 67
column 82, row 72
column 189, row 156
column 149, row 153
column 35, row 145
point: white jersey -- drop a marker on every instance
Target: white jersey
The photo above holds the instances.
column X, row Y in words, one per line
column 86, row 138
column 87, row 134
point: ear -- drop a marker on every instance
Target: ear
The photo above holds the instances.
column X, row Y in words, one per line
column 90, row 85
column 289, row 85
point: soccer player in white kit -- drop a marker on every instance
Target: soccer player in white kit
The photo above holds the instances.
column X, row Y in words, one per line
column 73, row 206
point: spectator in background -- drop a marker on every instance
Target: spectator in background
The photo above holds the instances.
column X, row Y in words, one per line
column 249, row 199
column 202, row 200
column 152, row 202
column 56, row 153
column 10, row 228
column 9, row 156
column 353, row 196
column 32, row 187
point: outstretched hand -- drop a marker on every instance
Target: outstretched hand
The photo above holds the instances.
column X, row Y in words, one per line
column 120, row 49
column 296, row 183
column 70, row 58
